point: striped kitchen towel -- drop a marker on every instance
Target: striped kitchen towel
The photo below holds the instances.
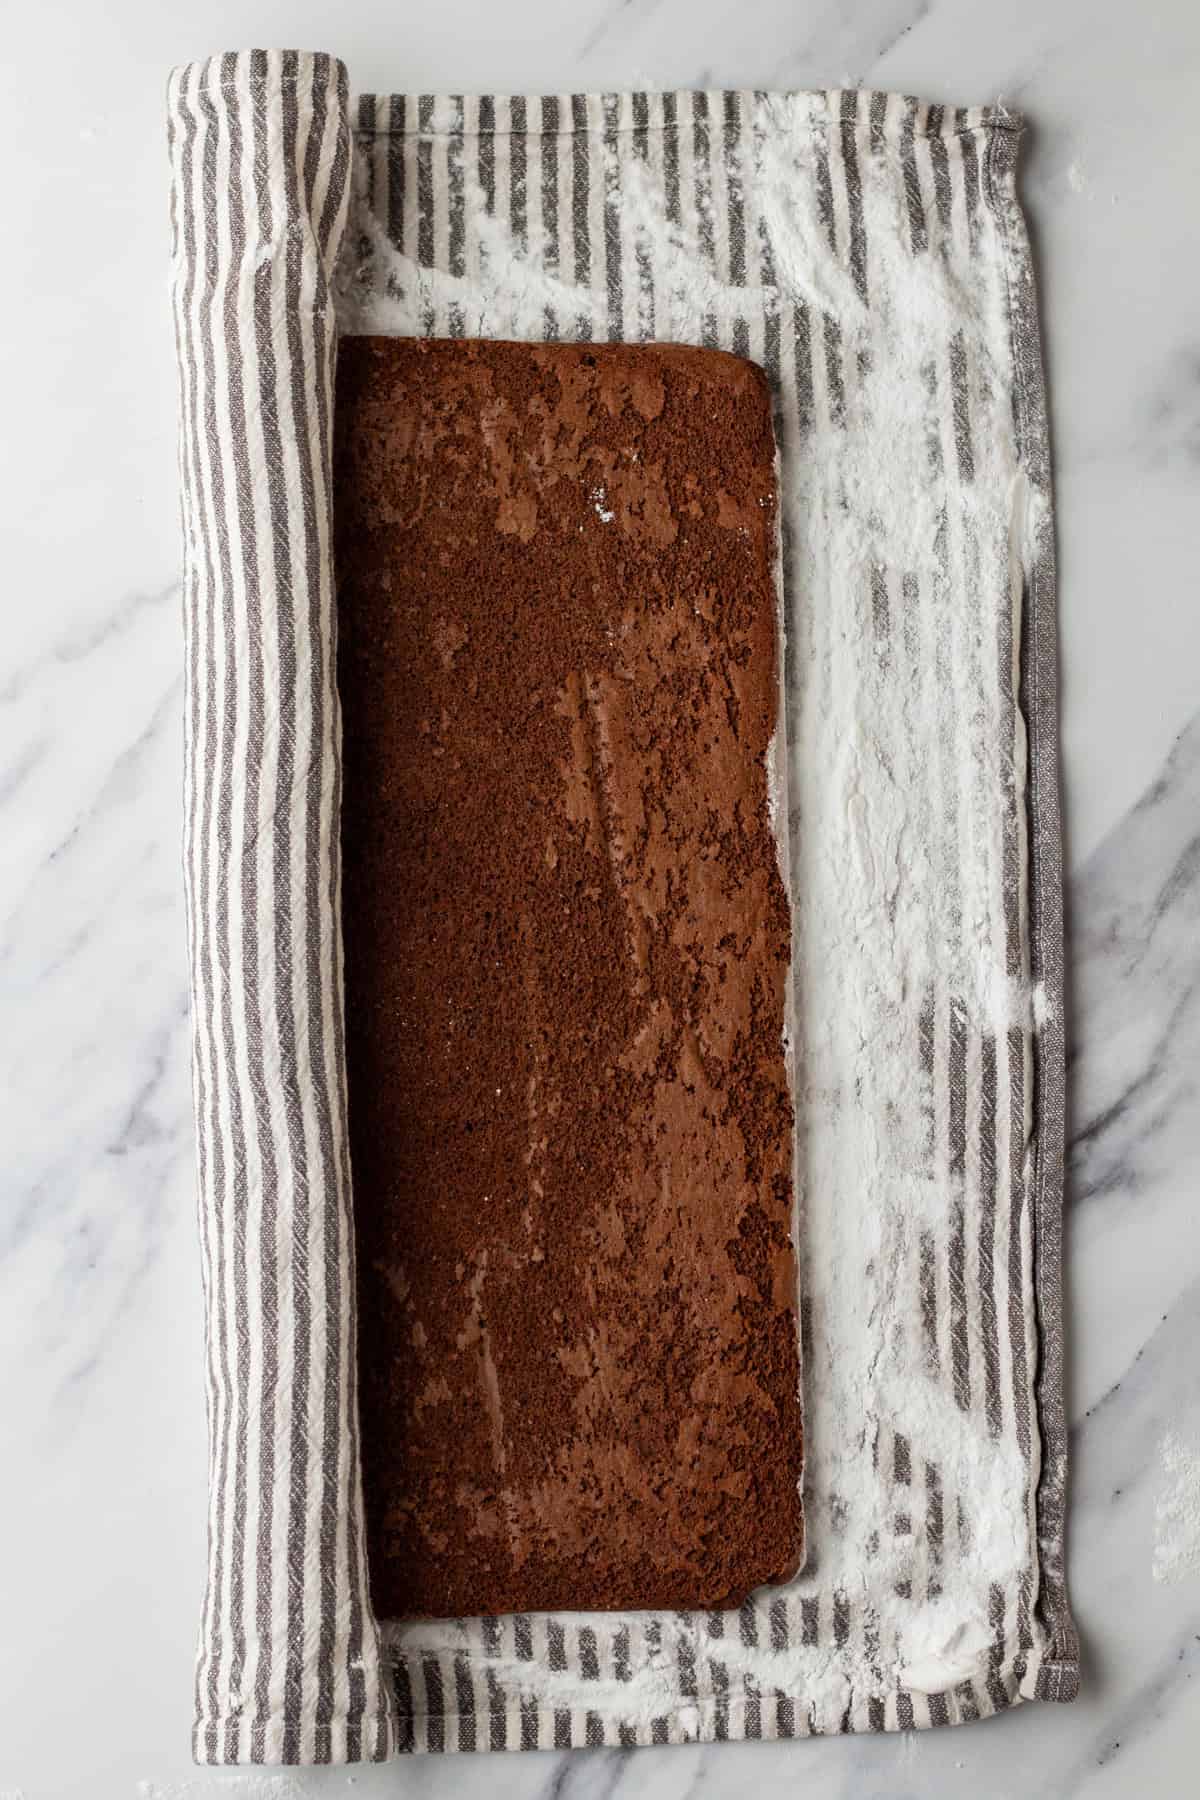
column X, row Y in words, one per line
column 869, row 252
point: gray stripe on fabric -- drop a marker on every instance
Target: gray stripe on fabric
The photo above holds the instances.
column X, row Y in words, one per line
column 968, row 1705
column 1016, row 1227
column 486, row 147
column 556, row 1645
column 785, row 1716
column 396, row 151
column 987, row 1234
column 957, row 1092
column 904, row 1712
column 878, row 114
column 550, row 254
column 715, row 1624
column 752, row 1710
column 290, row 754
column 880, row 611
column 854, row 199
column 380, row 1743
column 366, row 151
column 517, row 175
column 917, row 233
column 686, row 1659
column 580, row 204
column 464, row 1701
column 939, row 1711
column 316, row 496
column 779, row 1625
column 933, row 1529
column 529, row 1724
column 901, row 1460
column 562, row 1728
column 626, row 1735
column 718, row 1674
column 523, row 1637
column 997, row 1692
column 589, row 1655
column 425, row 202
column 1060, row 1675
column 940, row 162
column 1024, row 1623
column 621, row 1663
column 497, row 1713
column 736, row 197
column 802, row 349
column 962, row 408
column 435, row 1703
column 748, row 1624
column 405, row 1739
column 658, row 1731
column 810, row 1621
column 834, row 384
column 927, row 1019
column 824, row 186
column 703, row 201
column 671, row 158
column 735, row 221
column 957, row 1088
column 929, row 1305
column 593, row 1731
column 972, row 190
column 612, row 219
column 910, row 592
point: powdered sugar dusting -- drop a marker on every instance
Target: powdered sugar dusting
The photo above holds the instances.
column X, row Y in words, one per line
column 1177, row 1512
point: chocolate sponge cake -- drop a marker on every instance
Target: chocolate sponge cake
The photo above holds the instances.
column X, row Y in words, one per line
column 567, row 946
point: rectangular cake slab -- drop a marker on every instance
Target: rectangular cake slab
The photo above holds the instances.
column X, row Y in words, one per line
column 567, row 947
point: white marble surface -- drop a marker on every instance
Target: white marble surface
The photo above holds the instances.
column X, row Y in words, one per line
column 101, row 1405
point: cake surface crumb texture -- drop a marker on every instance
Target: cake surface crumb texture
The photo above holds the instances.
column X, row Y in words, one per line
column 567, row 946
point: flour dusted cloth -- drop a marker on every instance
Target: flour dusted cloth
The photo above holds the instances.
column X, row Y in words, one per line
column 869, row 252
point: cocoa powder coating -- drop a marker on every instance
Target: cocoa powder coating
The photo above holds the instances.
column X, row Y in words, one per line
column 566, row 948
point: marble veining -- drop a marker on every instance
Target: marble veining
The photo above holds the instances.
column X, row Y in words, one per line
column 101, row 1399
